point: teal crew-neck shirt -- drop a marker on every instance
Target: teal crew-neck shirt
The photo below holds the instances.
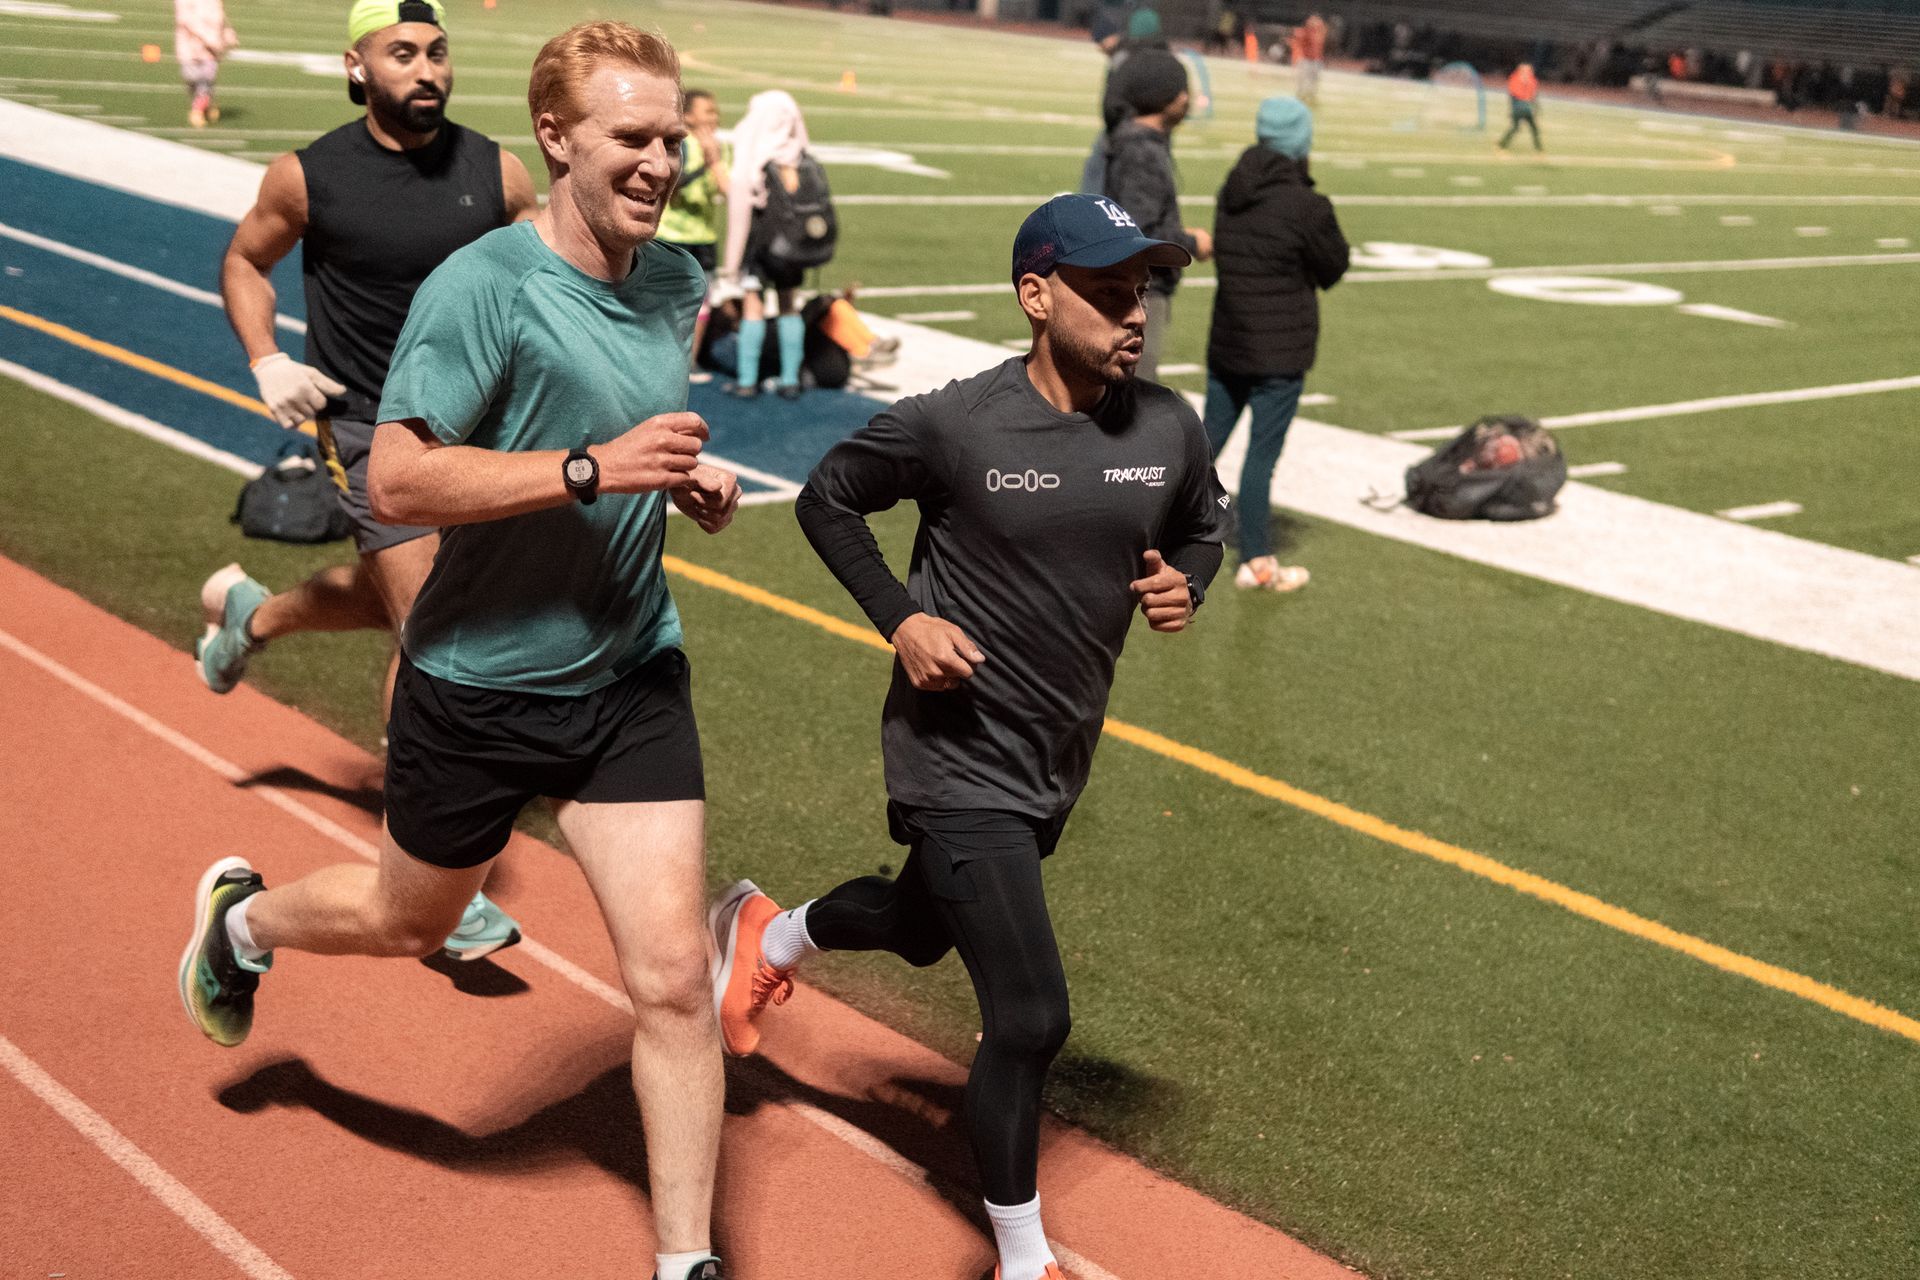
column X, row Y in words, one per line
column 510, row 347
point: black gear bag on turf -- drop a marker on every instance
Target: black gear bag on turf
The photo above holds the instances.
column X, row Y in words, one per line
column 1472, row 478
column 294, row 500
column 800, row 226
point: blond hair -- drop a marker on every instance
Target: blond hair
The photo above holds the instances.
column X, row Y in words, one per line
column 567, row 61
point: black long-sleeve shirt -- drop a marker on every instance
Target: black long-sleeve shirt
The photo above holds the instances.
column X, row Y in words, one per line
column 1033, row 523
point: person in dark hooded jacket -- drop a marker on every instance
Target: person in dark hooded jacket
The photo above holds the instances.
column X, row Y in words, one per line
column 1276, row 242
column 1140, row 178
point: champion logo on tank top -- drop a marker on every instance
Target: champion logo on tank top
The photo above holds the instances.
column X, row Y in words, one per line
column 1152, row 477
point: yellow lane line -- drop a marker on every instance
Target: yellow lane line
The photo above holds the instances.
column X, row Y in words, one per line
column 1581, row 904
column 134, row 360
column 1478, row 864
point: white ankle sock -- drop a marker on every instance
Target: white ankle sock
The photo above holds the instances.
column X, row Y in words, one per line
column 238, row 932
column 1024, row 1254
column 674, row 1266
column 786, row 943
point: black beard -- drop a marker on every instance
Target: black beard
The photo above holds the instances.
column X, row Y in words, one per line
column 1074, row 356
column 423, row 117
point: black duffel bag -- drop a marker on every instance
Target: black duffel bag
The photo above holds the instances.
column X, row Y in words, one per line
column 294, row 500
column 1500, row 468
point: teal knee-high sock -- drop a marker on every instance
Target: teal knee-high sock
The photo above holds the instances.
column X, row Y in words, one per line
column 753, row 336
column 793, row 344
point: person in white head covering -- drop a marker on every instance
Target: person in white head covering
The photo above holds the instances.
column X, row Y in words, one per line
column 767, row 143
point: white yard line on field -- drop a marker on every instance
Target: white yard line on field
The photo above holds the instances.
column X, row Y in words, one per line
column 1761, row 511
column 1680, row 408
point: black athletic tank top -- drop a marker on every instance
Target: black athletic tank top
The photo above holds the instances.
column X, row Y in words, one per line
column 378, row 223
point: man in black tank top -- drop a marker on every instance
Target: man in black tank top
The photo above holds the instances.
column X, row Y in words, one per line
column 378, row 204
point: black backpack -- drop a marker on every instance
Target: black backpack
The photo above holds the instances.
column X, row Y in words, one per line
column 1500, row 468
column 294, row 500
column 801, row 229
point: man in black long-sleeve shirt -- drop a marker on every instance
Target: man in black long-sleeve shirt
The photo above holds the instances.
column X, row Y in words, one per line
column 1057, row 493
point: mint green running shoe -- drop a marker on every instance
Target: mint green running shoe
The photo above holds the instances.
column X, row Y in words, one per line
column 484, row 929
column 228, row 599
column 216, row 985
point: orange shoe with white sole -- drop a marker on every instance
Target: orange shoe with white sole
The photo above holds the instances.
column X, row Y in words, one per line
column 1053, row 1272
column 744, row 984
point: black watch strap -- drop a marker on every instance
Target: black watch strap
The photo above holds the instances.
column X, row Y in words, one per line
column 1196, row 594
column 582, row 475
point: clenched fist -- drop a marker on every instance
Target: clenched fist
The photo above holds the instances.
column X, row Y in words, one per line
column 936, row 654
column 1163, row 594
column 660, row 453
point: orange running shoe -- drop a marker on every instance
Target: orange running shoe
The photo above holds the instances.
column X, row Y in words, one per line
column 744, row 984
column 1053, row 1272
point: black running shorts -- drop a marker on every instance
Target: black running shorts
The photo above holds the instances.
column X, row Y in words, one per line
column 462, row 762
column 948, row 841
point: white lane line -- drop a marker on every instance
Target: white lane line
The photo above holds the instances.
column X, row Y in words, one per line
column 1741, row 220
column 1810, row 232
column 55, row 11
column 784, row 486
column 1698, row 267
column 826, row 1122
column 1315, row 399
column 1181, row 370
column 1761, row 511
column 1714, row 311
column 1675, row 409
column 163, row 1186
column 139, row 274
column 1408, row 171
column 1593, row 470
column 1893, row 242
column 1467, row 180
column 1537, row 201
column 935, row 317
column 169, row 436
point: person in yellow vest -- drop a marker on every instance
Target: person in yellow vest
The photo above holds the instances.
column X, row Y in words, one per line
column 696, row 214
column 1522, row 88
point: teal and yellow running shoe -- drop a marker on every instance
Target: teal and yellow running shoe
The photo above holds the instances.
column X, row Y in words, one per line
column 216, row 985
column 484, row 929
column 228, row 599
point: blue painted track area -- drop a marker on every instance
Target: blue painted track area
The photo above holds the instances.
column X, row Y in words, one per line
column 771, row 435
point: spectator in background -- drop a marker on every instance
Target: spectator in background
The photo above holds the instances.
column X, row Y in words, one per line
column 1276, row 242
column 201, row 37
column 1311, row 59
column 767, row 147
column 1140, row 178
column 694, row 218
column 1523, row 87
column 1143, row 33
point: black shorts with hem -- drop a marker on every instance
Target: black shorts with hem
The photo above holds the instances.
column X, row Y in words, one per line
column 945, row 842
column 463, row 761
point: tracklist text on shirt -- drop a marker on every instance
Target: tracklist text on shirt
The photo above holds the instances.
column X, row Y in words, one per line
column 1152, row 477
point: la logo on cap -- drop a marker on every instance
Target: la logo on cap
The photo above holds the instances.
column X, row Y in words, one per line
column 1120, row 217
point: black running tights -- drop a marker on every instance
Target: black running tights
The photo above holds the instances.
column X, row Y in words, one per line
column 1005, row 938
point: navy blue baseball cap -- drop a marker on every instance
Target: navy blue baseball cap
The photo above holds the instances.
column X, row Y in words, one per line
column 1086, row 231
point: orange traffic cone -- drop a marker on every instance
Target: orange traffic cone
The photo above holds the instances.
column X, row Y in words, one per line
column 847, row 84
column 1253, row 47
column 149, row 53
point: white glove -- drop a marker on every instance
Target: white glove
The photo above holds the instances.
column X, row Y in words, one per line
column 293, row 392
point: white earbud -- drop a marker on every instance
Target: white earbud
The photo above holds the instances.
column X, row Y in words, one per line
column 359, row 75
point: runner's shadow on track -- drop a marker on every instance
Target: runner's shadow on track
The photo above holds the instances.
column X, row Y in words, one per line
column 368, row 797
column 599, row 1124
column 481, row 977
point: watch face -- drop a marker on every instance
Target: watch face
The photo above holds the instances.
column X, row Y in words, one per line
column 579, row 471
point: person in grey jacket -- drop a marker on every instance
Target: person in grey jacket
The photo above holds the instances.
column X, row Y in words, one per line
column 1277, row 243
column 1140, row 178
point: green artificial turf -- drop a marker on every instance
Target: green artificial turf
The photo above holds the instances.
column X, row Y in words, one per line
column 1412, row 1068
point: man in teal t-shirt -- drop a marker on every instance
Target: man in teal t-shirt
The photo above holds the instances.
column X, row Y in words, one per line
column 542, row 657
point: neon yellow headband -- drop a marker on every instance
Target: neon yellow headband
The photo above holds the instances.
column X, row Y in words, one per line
column 368, row 16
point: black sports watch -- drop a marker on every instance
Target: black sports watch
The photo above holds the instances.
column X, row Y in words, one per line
column 582, row 475
column 1195, row 594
